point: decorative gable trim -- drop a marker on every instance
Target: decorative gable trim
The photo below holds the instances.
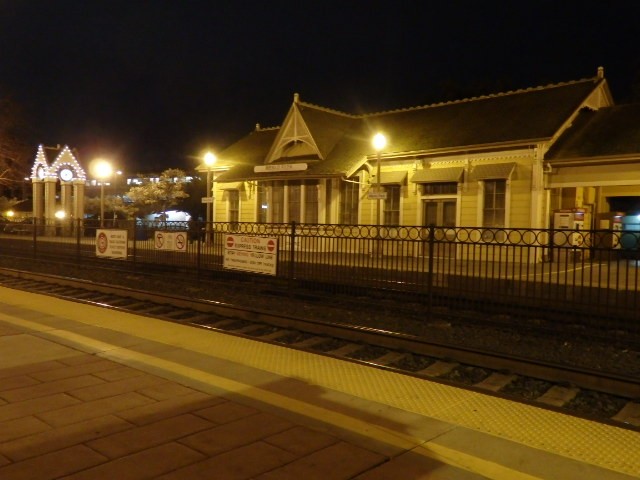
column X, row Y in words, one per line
column 294, row 139
column 66, row 159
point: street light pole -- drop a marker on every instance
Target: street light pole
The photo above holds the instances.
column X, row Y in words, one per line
column 210, row 160
column 379, row 142
column 102, row 204
column 103, row 170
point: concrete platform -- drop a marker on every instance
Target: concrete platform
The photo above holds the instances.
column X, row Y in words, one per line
column 88, row 392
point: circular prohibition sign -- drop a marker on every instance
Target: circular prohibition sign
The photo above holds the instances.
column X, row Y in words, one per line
column 102, row 242
column 180, row 243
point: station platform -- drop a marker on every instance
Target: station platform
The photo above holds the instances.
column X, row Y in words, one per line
column 94, row 393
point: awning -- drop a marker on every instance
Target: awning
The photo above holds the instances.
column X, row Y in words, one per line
column 594, row 175
column 387, row 178
column 232, row 186
column 492, row 171
column 437, row 175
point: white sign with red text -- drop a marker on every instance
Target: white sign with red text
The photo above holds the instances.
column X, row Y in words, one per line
column 251, row 254
column 111, row 243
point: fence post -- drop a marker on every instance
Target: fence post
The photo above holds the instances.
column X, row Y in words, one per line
column 135, row 238
column 432, row 231
column 35, row 237
column 198, row 241
column 78, row 239
column 292, row 248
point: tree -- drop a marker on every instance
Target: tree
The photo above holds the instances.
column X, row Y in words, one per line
column 15, row 152
column 158, row 196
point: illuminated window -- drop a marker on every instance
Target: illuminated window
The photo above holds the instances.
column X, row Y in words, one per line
column 349, row 203
column 493, row 212
column 392, row 205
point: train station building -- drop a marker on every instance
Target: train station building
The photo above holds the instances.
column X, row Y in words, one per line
column 505, row 160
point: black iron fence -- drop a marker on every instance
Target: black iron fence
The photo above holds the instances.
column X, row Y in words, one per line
column 564, row 275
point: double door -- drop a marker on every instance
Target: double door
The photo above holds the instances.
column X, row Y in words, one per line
column 441, row 213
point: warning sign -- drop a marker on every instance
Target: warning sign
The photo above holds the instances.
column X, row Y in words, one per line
column 173, row 241
column 111, row 243
column 251, row 254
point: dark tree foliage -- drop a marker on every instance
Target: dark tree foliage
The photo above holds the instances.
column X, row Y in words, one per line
column 15, row 151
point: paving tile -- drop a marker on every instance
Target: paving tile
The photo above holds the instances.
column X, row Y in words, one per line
column 301, row 441
column 30, row 368
column 96, row 408
column 49, row 388
column 168, row 408
column 19, row 381
column 110, row 389
column 80, row 359
column 118, row 373
column 67, row 371
column 52, row 465
column 414, row 466
column 55, row 439
column 226, row 412
column 243, row 463
column 21, row 427
column 166, row 390
column 339, row 461
column 235, row 434
column 141, row 438
column 36, row 406
column 142, row 465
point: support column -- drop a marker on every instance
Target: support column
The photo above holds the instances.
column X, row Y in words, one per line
column 78, row 200
column 50, row 204
column 37, row 187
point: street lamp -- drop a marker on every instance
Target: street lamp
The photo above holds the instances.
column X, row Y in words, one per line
column 210, row 160
column 379, row 141
column 102, row 170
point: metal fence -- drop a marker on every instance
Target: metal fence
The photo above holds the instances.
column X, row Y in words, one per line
column 563, row 275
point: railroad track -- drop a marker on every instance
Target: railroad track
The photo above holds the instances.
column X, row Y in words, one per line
column 600, row 396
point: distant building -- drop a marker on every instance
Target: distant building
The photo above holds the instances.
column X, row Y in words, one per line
column 504, row 160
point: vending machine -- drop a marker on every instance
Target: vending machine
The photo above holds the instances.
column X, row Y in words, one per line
column 568, row 225
column 609, row 228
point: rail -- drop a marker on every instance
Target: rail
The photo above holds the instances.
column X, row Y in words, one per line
column 566, row 276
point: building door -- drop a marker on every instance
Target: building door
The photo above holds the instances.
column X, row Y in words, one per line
column 441, row 213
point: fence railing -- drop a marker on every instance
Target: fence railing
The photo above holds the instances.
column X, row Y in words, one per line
column 575, row 275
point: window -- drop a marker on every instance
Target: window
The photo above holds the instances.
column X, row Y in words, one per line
column 493, row 213
column 442, row 188
column 299, row 198
column 277, row 202
column 311, row 201
column 263, row 203
column 233, row 199
column 392, row 205
column 294, row 188
column 349, row 202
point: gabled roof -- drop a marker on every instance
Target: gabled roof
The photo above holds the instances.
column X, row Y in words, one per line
column 518, row 118
column 607, row 132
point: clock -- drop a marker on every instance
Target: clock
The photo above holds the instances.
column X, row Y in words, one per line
column 66, row 174
column 40, row 172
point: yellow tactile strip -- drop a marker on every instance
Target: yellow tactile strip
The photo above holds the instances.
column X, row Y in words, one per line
column 589, row 442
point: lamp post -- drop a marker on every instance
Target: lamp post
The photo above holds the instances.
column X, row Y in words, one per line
column 379, row 142
column 210, row 160
column 102, row 170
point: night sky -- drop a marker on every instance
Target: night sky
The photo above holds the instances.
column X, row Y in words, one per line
column 152, row 84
